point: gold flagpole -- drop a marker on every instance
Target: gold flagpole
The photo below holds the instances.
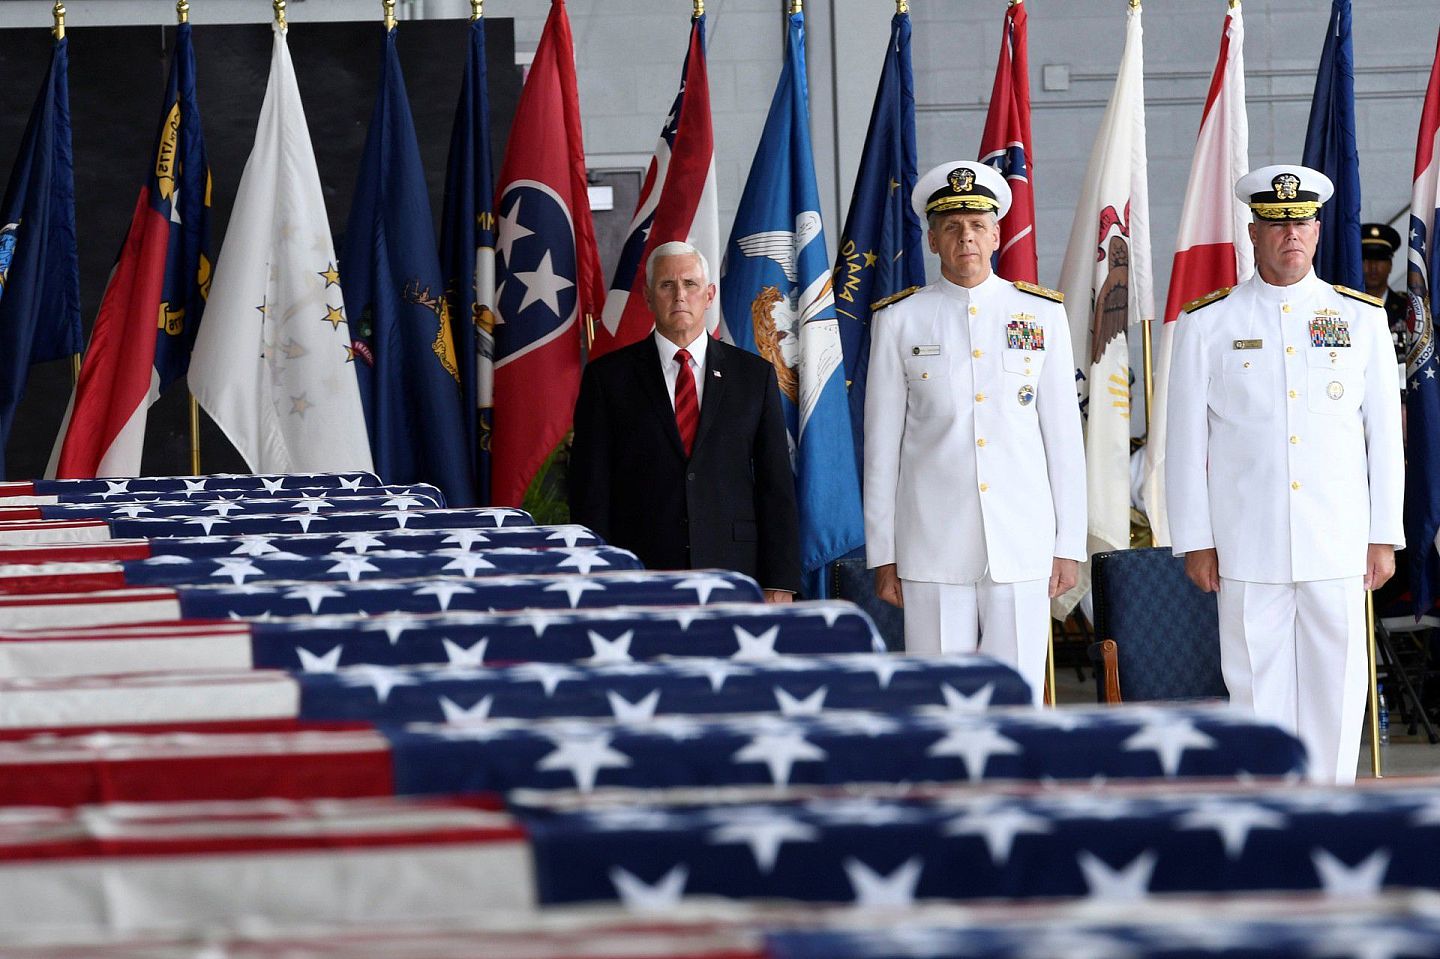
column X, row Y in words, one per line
column 1053, row 698
column 389, row 7
column 1374, row 686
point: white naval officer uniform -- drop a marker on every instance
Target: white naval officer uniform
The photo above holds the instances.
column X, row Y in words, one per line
column 1284, row 455
column 974, row 465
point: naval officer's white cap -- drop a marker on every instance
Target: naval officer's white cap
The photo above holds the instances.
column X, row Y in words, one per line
column 961, row 185
column 1284, row 191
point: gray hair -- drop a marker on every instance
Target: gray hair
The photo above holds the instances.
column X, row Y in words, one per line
column 675, row 248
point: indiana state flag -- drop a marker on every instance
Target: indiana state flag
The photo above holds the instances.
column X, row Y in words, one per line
column 396, row 304
column 777, row 301
column 39, row 266
column 880, row 248
column 1330, row 148
column 152, row 305
column 467, row 255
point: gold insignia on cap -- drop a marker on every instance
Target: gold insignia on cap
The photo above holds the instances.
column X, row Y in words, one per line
column 1286, row 185
column 962, row 179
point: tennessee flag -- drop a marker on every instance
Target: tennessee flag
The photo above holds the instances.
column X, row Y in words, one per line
column 547, row 271
column 1213, row 249
column 1005, row 145
column 152, row 306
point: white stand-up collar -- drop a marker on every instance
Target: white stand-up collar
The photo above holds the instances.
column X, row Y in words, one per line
column 1267, row 293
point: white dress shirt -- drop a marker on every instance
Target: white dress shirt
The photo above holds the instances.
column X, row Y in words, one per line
column 670, row 369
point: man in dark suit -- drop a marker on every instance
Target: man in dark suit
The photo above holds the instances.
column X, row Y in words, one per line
column 680, row 451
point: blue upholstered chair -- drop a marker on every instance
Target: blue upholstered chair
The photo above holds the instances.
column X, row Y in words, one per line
column 1157, row 635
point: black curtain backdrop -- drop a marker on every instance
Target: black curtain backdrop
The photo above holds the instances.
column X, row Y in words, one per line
column 117, row 80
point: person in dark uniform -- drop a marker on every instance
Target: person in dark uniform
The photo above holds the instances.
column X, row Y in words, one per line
column 1378, row 244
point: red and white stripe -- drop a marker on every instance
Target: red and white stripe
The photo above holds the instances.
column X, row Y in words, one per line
column 52, row 653
column 105, row 607
column 1213, row 249
column 32, row 532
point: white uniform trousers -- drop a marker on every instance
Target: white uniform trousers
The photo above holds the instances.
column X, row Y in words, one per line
column 1294, row 654
column 1008, row 621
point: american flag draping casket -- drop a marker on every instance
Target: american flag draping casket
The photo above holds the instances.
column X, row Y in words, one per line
column 228, row 482
column 42, row 507
column 78, row 577
column 423, row 595
column 247, row 506
column 395, row 695
column 1115, row 842
column 641, row 751
column 740, row 631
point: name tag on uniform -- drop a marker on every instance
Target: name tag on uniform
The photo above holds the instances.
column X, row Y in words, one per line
column 1249, row 344
column 925, row 350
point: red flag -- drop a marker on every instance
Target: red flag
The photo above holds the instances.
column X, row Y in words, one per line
column 1005, row 145
column 547, row 270
column 677, row 202
column 1213, row 249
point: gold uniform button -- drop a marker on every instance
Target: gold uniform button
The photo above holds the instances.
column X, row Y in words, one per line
column 980, row 441
column 1295, row 484
column 1285, row 308
column 984, row 487
column 974, row 311
column 977, row 353
column 1246, row 364
column 1294, row 441
column 924, row 376
column 1293, row 394
column 979, row 397
column 1290, row 350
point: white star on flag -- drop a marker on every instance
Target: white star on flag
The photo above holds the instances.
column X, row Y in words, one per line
column 704, row 586
column 627, row 712
column 715, row 670
column 380, row 678
column 998, row 826
column 353, row 566
column 1344, row 881
column 132, row 511
column 458, row 655
column 312, row 504
column 958, row 702
column 583, row 757
column 314, row 594
column 236, row 569
column 253, row 545
column 974, row 745
column 468, row 563
column 207, row 523
column 608, row 650
column 194, row 486
column 574, row 587
column 779, row 750
column 222, row 508
column 569, row 534
column 542, row 285
column 883, row 665
column 273, row 486
column 582, row 558
column 1232, row 821
column 466, row 538
column 662, row 897
column 764, row 835
column 351, row 482
column 548, row 675
column 305, row 520
column 1168, row 737
column 755, row 648
column 460, row 716
column 443, row 592
column 326, row 663
column 809, row 706
column 360, row 542
column 1126, row 883
column 875, row 890
column 116, row 488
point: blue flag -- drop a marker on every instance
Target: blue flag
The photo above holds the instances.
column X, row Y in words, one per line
column 1330, row 148
column 467, row 255
column 39, row 266
column 777, row 299
column 880, row 248
column 396, row 304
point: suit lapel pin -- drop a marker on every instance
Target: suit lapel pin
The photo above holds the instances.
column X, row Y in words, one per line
column 715, row 373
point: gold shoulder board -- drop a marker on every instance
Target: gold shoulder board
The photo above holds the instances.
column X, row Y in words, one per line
column 1357, row 295
column 1036, row 290
column 894, row 298
column 1207, row 299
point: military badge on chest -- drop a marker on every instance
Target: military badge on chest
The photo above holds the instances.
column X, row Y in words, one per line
column 1024, row 333
column 1329, row 329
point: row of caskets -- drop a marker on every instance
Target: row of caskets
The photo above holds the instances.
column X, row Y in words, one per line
column 313, row 715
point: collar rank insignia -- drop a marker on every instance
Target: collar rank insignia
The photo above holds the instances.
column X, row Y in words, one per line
column 1023, row 333
column 1329, row 330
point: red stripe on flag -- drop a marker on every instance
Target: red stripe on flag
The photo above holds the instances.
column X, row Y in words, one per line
column 53, row 582
column 1201, row 269
column 115, row 376
column 114, row 551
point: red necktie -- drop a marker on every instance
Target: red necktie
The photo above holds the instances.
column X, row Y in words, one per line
column 687, row 405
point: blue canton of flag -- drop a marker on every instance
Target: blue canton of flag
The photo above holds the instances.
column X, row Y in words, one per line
column 1422, row 399
column 880, row 248
column 1330, row 148
column 395, row 300
column 777, row 276
column 467, row 255
column 39, row 265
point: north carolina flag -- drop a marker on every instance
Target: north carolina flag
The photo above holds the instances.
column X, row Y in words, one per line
column 1108, row 288
column 1213, row 249
column 547, row 269
column 152, row 306
column 1005, row 145
column 39, row 262
column 1422, row 400
column 677, row 202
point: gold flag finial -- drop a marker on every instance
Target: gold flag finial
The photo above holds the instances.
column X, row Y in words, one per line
column 58, row 12
column 699, row 10
column 389, row 6
column 182, row 11
column 1134, row 4
column 902, row 6
column 477, row 10
column 797, row 6
column 1234, row 3
column 279, row 6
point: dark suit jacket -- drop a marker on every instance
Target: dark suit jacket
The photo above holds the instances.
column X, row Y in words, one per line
column 730, row 505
